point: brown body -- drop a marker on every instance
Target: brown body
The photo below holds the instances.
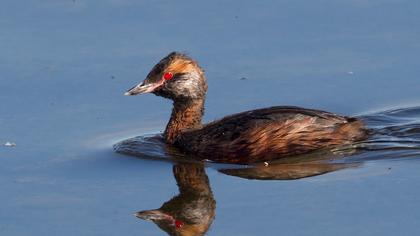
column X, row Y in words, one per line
column 252, row 136
column 268, row 134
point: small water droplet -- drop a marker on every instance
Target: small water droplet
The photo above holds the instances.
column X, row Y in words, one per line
column 10, row 144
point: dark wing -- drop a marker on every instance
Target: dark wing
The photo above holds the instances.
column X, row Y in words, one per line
column 265, row 134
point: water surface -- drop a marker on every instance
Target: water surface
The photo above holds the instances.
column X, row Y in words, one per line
column 65, row 64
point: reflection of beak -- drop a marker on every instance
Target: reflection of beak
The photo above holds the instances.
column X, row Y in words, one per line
column 152, row 215
column 143, row 88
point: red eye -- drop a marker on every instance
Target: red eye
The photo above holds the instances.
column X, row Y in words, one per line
column 178, row 224
column 168, row 76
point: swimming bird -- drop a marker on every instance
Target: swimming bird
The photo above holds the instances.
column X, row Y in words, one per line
column 252, row 136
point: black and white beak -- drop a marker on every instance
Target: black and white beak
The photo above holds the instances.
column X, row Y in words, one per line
column 143, row 88
column 153, row 215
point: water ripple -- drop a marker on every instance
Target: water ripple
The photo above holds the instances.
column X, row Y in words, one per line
column 395, row 135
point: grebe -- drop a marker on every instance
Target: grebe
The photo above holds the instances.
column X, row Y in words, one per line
column 252, row 136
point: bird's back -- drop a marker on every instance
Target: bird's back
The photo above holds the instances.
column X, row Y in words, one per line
column 269, row 133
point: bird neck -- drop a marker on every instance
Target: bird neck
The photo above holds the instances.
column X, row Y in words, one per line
column 185, row 115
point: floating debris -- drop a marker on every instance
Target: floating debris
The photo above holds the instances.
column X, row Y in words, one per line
column 10, row 144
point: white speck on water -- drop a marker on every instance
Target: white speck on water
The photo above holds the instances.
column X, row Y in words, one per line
column 350, row 73
column 10, row 144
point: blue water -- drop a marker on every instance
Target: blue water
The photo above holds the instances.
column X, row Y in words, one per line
column 65, row 65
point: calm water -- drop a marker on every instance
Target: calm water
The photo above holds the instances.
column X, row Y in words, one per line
column 65, row 64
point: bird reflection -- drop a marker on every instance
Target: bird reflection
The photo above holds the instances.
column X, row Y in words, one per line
column 285, row 171
column 297, row 167
column 192, row 211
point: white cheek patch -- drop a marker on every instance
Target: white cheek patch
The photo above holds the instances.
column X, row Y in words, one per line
column 187, row 85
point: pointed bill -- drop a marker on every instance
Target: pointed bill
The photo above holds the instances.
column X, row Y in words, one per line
column 152, row 215
column 143, row 88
